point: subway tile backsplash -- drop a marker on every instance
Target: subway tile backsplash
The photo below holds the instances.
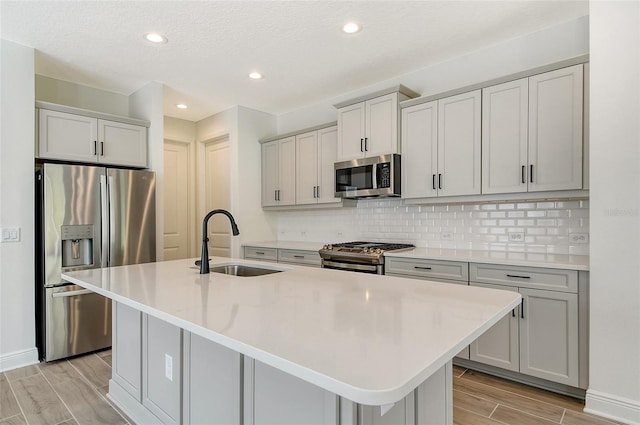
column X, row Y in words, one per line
column 546, row 225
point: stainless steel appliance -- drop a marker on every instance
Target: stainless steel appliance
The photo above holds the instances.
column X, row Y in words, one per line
column 368, row 177
column 364, row 257
column 86, row 217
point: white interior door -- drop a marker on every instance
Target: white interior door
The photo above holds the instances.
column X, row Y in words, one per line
column 177, row 200
column 217, row 196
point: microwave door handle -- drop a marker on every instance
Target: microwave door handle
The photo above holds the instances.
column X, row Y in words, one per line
column 374, row 177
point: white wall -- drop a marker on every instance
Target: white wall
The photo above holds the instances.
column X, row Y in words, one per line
column 71, row 94
column 543, row 47
column 17, row 312
column 614, row 389
column 244, row 127
column 148, row 103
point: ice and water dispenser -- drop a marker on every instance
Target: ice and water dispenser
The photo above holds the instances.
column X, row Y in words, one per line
column 77, row 245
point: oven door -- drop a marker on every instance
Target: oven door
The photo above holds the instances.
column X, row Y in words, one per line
column 353, row 267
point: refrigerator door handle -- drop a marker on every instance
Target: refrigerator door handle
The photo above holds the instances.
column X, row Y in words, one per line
column 104, row 213
column 71, row 293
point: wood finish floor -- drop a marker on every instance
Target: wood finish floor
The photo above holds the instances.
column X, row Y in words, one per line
column 73, row 392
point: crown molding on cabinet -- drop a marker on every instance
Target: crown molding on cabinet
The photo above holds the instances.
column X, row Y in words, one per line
column 395, row 89
column 294, row 133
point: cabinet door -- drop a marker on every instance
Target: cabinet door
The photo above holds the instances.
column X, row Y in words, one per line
column 162, row 370
column 127, row 349
column 499, row 345
column 270, row 166
column 351, row 132
column 420, row 150
column 327, row 156
column 306, row 167
column 67, row 136
column 459, row 144
column 212, row 385
column 555, row 130
column 505, row 110
column 287, row 171
column 549, row 335
column 381, row 130
column 306, row 403
column 122, row 144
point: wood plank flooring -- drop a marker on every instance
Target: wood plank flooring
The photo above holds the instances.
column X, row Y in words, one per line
column 73, row 392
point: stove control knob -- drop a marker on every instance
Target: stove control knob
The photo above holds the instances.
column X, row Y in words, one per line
column 365, row 250
column 378, row 251
column 329, row 247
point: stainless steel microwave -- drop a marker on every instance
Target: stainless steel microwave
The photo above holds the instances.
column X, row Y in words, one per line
column 368, row 177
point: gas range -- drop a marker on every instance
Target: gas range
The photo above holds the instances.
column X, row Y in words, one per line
column 367, row 257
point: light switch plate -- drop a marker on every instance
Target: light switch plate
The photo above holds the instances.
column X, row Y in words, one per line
column 168, row 367
column 11, row 234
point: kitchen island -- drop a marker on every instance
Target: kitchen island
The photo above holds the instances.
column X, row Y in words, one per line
column 302, row 345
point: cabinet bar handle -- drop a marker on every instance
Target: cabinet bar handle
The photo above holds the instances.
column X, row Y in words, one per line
column 422, row 268
column 278, row 194
column 101, row 148
column 361, row 144
column 531, row 173
column 95, row 147
column 519, row 277
column 513, row 313
column 259, row 253
column 522, row 309
column 298, row 256
column 275, row 195
column 433, row 181
column 440, row 181
column 524, row 174
column 365, row 144
column 318, row 191
column 314, row 192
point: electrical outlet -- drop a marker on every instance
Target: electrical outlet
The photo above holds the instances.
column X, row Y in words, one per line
column 168, row 367
column 578, row 238
column 516, row 236
column 11, row 234
column 446, row 236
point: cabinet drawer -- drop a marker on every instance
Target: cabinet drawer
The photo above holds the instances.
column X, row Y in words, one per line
column 258, row 253
column 525, row 277
column 309, row 258
column 434, row 269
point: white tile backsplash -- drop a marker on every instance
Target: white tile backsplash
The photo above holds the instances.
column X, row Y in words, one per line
column 485, row 226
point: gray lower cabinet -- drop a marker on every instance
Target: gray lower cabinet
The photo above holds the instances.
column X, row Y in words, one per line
column 540, row 337
column 435, row 270
column 162, row 369
column 283, row 255
column 127, row 349
column 212, row 388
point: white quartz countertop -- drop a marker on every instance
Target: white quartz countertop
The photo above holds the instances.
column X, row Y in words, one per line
column 369, row 338
column 555, row 261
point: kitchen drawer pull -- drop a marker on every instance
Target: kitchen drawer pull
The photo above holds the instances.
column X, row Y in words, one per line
column 422, row 268
column 259, row 253
column 299, row 256
column 361, row 144
column 524, row 174
column 433, row 181
column 440, row 181
column 519, row 277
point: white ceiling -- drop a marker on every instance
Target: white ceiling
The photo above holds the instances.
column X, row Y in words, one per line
column 297, row 45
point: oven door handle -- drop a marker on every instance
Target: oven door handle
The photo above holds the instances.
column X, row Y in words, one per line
column 350, row 266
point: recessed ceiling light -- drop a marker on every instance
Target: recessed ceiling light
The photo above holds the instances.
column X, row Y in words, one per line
column 154, row 37
column 181, row 106
column 351, row 28
column 255, row 76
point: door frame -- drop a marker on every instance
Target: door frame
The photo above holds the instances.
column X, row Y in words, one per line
column 192, row 249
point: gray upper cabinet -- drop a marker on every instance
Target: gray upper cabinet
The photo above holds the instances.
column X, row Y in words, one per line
column 555, row 130
column 73, row 137
column 279, row 172
column 532, row 133
column 441, row 147
column 315, row 156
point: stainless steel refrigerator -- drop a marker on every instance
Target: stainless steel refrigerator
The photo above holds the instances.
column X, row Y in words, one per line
column 86, row 217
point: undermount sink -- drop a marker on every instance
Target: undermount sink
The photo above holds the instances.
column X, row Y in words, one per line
column 242, row 270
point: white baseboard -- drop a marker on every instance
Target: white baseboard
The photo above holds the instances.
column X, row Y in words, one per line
column 129, row 405
column 613, row 407
column 18, row 359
